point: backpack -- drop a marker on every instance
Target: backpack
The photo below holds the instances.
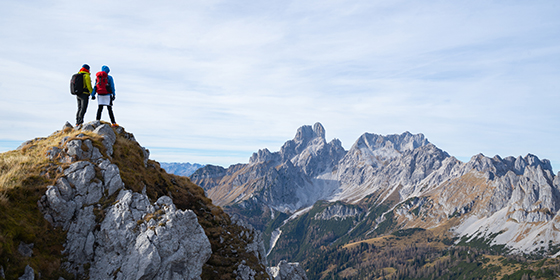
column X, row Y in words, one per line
column 102, row 86
column 77, row 84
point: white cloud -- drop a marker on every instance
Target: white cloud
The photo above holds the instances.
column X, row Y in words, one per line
column 234, row 77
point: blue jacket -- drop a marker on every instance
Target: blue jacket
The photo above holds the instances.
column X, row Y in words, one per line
column 110, row 78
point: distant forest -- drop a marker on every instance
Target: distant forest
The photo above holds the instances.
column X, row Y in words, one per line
column 367, row 261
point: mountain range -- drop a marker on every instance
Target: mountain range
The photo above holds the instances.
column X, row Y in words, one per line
column 179, row 168
column 313, row 193
column 87, row 203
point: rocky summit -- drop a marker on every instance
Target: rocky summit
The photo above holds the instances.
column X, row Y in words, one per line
column 313, row 193
column 88, row 203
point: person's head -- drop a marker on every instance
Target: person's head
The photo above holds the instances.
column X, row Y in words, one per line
column 85, row 66
column 105, row 69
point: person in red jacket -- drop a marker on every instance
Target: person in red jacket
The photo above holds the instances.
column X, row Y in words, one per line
column 83, row 98
column 105, row 88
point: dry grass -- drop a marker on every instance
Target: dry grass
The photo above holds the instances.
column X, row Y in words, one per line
column 26, row 173
column 14, row 166
column 421, row 237
column 24, row 177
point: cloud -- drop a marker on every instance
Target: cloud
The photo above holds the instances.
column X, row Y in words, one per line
column 196, row 78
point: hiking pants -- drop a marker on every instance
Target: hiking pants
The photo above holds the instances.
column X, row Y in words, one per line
column 83, row 100
column 109, row 108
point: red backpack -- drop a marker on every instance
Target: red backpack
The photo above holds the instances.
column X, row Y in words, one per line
column 102, row 86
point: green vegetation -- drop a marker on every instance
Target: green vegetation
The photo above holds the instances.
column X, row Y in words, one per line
column 482, row 242
column 407, row 232
column 305, row 234
column 407, row 258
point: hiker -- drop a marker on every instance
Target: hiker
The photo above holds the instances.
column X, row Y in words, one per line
column 83, row 96
column 105, row 88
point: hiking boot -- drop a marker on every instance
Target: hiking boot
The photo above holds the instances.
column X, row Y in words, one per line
column 115, row 125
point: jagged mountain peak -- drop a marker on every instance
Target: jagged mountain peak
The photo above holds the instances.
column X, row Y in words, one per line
column 392, row 182
column 306, row 136
column 308, row 142
column 398, row 142
column 306, row 132
column 501, row 166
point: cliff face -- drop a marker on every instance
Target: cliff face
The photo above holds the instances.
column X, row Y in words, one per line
column 121, row 216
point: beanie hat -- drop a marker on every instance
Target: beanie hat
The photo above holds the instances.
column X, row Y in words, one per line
column 85, row 66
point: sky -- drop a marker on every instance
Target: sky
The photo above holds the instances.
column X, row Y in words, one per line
column 213, row 81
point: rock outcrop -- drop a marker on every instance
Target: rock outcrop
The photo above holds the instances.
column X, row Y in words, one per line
column 91, row 205
column 113, row 232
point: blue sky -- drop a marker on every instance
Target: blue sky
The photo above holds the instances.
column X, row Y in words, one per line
column 214, row 81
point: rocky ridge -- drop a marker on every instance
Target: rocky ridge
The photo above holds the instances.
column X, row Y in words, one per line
column 510, row 201
column 123, row 225
column 135, row 239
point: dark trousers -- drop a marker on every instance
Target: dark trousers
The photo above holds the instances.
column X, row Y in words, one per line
column 109, row 108
column 83, row 100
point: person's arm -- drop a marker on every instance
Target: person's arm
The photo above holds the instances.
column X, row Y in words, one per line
column 112, row 85
column 93, row 91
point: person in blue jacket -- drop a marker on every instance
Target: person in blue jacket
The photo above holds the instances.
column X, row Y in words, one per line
column 105, row 88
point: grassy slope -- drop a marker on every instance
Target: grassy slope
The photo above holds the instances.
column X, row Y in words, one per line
column 25, row 174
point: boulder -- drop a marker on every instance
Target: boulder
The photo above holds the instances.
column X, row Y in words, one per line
column 109, row 137
column 287, row 271
column 165, row 243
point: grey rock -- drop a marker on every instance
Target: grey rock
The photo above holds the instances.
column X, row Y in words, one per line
column 25, row 250
column 53, row 153
column 146, row 153
column 91, row 126
column 337, row 211
column 172, row 245
column 109, row 137
column 2, row 274
column 74, row 150
column 96, row 154
column 59, row 210
column 287, row 271
column 76, row 240
column 254, row 245
column 65, row 189
column 111, row 176
column 29, row 274
column 80, row 175
column 245, row 272
column 67, row 125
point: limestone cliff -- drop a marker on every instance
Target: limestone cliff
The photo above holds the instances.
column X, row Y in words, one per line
column 387, row 183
